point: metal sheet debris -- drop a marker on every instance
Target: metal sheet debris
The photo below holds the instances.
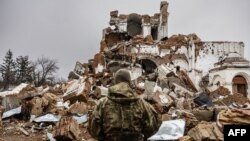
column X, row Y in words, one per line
column 47, row 118
column 12, row 112
column 169, row 130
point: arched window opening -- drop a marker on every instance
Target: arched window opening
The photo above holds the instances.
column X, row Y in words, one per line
column 240, row 85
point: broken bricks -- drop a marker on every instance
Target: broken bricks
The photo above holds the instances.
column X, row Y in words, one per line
column 233, row 116
column 203, row 114
column 37, row 106
column 67, row 129
column 205, row 131
column 79, row 108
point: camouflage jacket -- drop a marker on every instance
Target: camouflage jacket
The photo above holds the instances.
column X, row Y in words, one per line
column 122, row 112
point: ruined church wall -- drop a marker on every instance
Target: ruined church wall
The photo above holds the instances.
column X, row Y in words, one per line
column 222, row 48
column 212, row 51
column 225, row 77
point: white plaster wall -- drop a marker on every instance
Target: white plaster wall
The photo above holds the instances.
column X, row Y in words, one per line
column 147, row 49
column 227, row 76
column 182, row 50
column 122, row 26
column 135, row 73
column 134, row 50
column 212, row 51
column 182, row 63
column 214, row 79
column 206, row 62
column 220, row 50
column 162, row 31
column 223, row 48
column 242, row 50
column 146, row 30
column 197, row 77
column 218, row 78
column 163, row 70
column 164, row 52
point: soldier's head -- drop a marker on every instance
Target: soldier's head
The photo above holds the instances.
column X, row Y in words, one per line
column 122, row 75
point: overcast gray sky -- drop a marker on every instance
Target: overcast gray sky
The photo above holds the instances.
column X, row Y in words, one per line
column 71, row 30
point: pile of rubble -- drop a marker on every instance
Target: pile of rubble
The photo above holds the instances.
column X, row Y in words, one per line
column 44, row 113
column 162, row 73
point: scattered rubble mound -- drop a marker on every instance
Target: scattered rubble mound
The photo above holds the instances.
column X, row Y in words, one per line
column 234, row 116
column 30, row 113
column 206, row 131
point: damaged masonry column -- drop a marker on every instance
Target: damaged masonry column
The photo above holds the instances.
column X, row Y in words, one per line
column 163, row 27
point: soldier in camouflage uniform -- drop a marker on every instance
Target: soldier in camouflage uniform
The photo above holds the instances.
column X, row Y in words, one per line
column 122, row 115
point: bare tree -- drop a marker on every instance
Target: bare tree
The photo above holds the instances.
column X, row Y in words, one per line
column 44, row 70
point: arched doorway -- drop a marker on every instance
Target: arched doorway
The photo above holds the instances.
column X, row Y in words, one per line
column 148, row 65
column 240, row 85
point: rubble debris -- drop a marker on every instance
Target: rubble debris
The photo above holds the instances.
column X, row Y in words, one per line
column 37, row 106
column 228, row 100
column 77, row 90
column 100, row 91
column 52, row 98
column 186, row 138
column 188, row 82
column 233, row 116
column 203, row 99
column 47, row 118
column 203, row 114
column 15, row 91
column 205, row 131
column 181, row 90
column 67, row 129
column 10, row 102
column 81, row 119
column 51, row 102
column 189, row 118
column 50, row 137
column 23, row 131
column 220, row 91
column 12, row 112
column 162, row 99
column 166, row 117
column 170, row 130
column 24, row 91
column 149, row 88
column 79, row 108
column 179, row 103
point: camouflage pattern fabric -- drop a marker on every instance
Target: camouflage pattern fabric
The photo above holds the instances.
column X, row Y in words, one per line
column 122, row 115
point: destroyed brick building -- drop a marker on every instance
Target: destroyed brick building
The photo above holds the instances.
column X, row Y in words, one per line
column 142, row 42
column 201, row 85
